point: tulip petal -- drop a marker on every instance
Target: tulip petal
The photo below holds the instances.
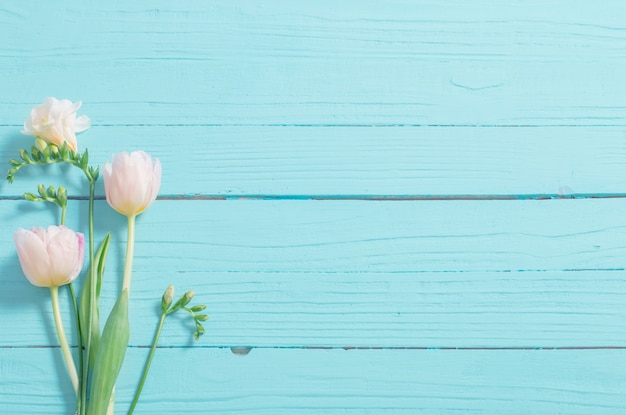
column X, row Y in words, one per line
column 50, row 257
column 132, row 182
column 33, row 256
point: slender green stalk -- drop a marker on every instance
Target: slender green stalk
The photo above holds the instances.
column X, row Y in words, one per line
column 130, row 249
column 144, row 375
column 92, row 190
column 92, row 297
column 63, row 211
column 65, row 348
column 80, row 342
column 77, row 315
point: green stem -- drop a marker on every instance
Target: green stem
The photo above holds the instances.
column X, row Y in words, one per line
column 130, row 248
column 92, row 298
column 65, row 348
column 144, row 375
column 80, row 340
column 63, row 211
column 77, row 315
column 92, row 190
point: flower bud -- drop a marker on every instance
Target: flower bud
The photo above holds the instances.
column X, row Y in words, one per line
column 168, row 297
column 31, row 197
column 183, row 300
column 132, row 182
column 24, row 155
column 50, row 257
column 62, row 196
column 197, row 308
column 41, row 144
column 187, row 297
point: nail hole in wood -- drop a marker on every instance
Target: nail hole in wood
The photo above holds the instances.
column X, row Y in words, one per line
column 240, row 351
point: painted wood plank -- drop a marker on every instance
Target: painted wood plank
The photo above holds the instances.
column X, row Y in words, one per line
column 363, row 161
column 428, row 310
column 284, row 274
column 356, row 273
column 250, row 62
column 271, row 381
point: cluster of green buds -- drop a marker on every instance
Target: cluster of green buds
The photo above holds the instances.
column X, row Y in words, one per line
column 43, row 153
column 50, row 194
column 167, row 308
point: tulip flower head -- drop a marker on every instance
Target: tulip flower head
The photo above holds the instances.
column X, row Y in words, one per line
column 132, row 182
column 50, row 257
column 55, row 122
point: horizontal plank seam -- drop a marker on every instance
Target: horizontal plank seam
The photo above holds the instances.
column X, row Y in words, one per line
column 396, row 198
column 444, row 348
column 353, row 125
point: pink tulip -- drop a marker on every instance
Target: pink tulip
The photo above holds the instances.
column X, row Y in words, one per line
column 132, row 182
column 50, row 257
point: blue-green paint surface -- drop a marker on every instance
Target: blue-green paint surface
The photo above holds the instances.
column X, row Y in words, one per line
column 399, row 207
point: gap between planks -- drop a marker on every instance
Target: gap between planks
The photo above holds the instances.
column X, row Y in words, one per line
column 348, row 348
column 354, row 125
column 375, row 198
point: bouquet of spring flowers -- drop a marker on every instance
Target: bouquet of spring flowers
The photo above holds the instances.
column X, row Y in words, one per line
column 53, row 257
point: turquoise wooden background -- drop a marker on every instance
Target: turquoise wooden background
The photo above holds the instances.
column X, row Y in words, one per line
column 397, row 207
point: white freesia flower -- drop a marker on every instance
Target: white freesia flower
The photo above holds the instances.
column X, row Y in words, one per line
column 55, row 122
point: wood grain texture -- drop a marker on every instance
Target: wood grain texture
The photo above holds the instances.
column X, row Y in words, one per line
column 358, row 63
column 363, row 273
column 311, row 382
column 302, row 143
column 314, row 162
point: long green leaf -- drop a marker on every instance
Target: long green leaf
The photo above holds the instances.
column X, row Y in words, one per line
column 101, row 257
column 85, row 300
column 109, row 357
